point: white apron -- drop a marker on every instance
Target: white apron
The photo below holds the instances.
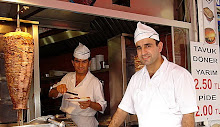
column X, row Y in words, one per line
column 85, row 121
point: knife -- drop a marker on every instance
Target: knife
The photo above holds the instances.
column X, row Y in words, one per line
column 72, row 93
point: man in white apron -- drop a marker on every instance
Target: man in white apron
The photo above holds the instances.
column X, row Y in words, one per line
column 85, row 84
column 162, row 94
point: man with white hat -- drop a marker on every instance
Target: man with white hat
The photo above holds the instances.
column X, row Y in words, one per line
column 161, row 94
column 90, row 98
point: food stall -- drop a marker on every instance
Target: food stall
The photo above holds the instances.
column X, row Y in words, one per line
column 99, row 27
column 9, row 25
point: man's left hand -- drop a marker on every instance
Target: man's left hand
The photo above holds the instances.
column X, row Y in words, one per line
column 85, row 104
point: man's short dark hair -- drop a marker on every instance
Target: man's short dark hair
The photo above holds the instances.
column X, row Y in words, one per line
column 157, row 42
column 74, row 58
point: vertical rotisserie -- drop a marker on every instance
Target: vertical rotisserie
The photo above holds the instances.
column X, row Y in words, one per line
column 18, row 50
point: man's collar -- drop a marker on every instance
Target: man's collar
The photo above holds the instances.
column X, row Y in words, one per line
column 161, row 69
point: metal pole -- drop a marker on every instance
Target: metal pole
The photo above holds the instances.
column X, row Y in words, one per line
column 20, row 117
column 18, row 20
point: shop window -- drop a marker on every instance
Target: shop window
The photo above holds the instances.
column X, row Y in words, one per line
column 122, row 2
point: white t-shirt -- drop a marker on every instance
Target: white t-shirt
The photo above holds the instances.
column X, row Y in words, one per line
column 160, row 101
column 91, row 87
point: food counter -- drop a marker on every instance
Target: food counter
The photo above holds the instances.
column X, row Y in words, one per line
column 46, row 121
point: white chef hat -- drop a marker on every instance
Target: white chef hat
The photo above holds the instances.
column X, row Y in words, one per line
column 81, row 52
column 143, row 31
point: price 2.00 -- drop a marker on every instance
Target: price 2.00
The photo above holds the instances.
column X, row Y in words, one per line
column 206, row 110
column 206, row 84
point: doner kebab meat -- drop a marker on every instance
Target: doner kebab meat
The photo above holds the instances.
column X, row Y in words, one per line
column 18, row 50
column 137, row 63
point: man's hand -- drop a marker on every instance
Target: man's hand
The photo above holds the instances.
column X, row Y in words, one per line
column 53, row 93
column 62, row 88
column 85, row 104
column 188, row 120
column 91, row 104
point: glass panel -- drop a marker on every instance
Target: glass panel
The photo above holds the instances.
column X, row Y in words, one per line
column 166, row 38
column 181, row 46
column 6, row 106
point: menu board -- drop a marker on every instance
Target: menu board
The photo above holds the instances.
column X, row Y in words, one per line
column 205, row 63
column 208, row 25
column 205, row 71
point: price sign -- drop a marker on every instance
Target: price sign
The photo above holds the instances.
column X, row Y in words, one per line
column 206, row 84
column 207, row 110
column 205, row 71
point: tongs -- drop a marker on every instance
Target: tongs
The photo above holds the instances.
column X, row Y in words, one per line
column 72, row 93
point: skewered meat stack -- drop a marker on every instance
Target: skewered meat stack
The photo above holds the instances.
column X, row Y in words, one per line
column 18, row 50
column 137, row 63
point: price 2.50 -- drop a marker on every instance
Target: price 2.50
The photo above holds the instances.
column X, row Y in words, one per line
column 206, row 84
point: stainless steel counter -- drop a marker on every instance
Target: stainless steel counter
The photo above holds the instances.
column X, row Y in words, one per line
column 45, row 121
